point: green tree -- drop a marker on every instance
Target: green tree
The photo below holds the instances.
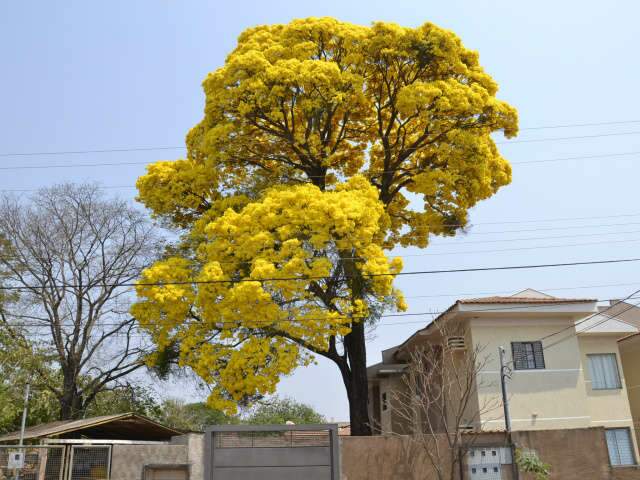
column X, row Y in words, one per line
column 192, row 417
column 125, row 398
column 279, row 411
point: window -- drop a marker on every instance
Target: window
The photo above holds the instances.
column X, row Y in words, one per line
column 385, row 404
column 620, row 446
column 604, row 371
column 527, row 355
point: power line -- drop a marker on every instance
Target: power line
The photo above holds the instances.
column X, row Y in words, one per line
column 391, row 315
column 78, row 152
column 518, row 249
column 438, row 254
column 572, row 125
column 506, row 292
column 597, row 324
column 307, row 278
column 442, row 244
column 160, row 148
column 115, row 164
column 556, row 139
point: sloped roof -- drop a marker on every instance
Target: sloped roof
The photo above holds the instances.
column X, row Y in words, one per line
column 515, row 299
column 633, row 335
column 123, row 426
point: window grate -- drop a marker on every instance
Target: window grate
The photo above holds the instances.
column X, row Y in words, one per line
column 527, row 355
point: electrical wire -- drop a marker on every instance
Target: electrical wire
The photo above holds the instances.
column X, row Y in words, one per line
column 307, row 278
column 390, row 315
column 116, row 164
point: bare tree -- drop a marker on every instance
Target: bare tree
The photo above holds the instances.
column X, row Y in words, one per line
column 71, row 255
column 439, row 399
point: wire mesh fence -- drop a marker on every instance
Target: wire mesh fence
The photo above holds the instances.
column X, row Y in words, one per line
column 57, row 462
column 31, row 463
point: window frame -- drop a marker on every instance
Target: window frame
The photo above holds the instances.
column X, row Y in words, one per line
column 618, row 382
column 627, row 430
column 537, row 353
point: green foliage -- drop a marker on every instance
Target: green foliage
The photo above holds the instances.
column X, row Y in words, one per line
column 529, row 462
column 196, row 416
column 129, row 398
column 282, row 410
column 192, row 417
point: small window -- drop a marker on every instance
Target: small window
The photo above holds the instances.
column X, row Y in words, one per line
column 385, row 403
column 484, row 453
column 527, row 355
column 472, row 453
column 484, row 470
column 604, row 371
column 495, row 469
column 494, row 453
column 620, row 446
column 474, row 470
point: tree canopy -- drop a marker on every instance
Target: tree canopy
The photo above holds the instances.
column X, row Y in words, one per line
column 323, row 144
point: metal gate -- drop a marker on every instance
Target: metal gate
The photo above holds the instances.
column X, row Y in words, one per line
column 40, row 462
column 272, row 452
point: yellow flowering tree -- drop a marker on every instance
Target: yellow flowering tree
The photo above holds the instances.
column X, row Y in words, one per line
column 323, row 144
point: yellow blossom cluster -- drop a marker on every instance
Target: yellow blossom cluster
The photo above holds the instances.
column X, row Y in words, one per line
column 241, row 322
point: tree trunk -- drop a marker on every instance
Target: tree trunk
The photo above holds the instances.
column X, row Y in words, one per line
column 355, row 380
column 71, row 401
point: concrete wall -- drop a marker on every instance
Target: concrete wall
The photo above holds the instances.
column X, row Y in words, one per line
column 128, row 461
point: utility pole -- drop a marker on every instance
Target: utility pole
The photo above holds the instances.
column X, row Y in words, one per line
column 503, row 384
column 25, row 407
column 504, row 374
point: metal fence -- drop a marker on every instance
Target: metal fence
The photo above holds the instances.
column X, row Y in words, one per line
column 55, row 462
column 89, row 462
column 40, row 463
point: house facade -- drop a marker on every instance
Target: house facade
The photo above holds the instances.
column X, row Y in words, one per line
column 564, row 359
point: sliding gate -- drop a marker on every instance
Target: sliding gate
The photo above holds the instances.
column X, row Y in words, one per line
column 272, row 452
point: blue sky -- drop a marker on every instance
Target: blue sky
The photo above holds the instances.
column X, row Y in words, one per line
column 83, row 75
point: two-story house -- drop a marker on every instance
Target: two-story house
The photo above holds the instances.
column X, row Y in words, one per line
column 564, row 361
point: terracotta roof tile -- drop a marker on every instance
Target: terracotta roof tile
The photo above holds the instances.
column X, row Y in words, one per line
column 526, row 300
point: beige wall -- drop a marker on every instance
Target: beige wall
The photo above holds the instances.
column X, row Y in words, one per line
column 389, row 418
column 607, row 408
column 630, row 357
column 539, row 399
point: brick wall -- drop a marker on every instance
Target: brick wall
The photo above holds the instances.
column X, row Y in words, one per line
column 576, row 454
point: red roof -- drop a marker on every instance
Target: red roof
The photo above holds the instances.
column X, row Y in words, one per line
column 526, row 300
